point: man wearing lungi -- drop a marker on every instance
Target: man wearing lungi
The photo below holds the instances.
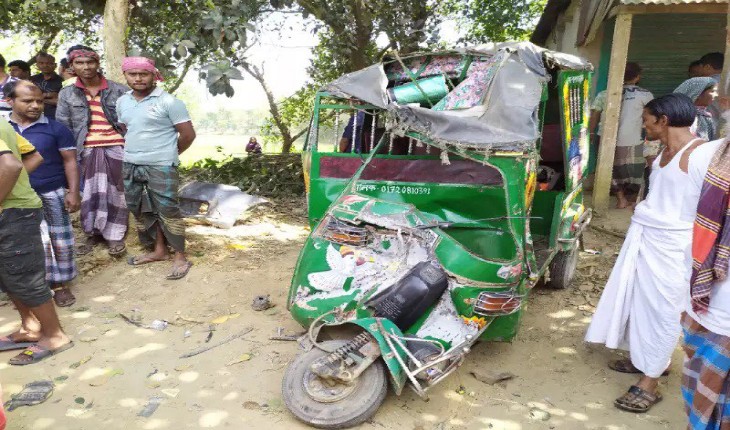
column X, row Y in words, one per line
column 642, row 302
column 705, row 381
column 56, row 181
column 158, row 129
column 22, row 270
column 88, row 108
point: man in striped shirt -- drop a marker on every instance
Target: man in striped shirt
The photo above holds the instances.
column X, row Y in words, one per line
column 88, row 108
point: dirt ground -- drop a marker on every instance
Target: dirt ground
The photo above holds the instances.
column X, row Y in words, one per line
column 116, row 368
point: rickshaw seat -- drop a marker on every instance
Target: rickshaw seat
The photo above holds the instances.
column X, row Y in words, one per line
column 551, row 148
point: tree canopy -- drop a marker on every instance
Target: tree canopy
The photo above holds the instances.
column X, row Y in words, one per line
column 214, row 36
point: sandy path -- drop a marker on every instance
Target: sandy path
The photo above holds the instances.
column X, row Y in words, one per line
column 555, row 370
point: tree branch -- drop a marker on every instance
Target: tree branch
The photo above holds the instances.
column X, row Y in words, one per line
column 46, row 45
column 179, row 81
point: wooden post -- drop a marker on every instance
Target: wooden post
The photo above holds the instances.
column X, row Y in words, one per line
column 723, row 87
column 607, row 148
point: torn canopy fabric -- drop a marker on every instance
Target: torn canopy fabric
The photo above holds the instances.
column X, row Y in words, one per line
column 505, row 117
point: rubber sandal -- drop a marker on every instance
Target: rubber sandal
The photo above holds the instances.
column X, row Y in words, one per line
column 32, row 394
column 8, row 344
column 118, row 249
column 63, row 297
column 637, row 400
column 182, row 274
column 37, row 353
column 624, row 366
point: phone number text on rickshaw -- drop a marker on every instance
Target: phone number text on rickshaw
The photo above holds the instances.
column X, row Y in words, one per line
column 395, row 189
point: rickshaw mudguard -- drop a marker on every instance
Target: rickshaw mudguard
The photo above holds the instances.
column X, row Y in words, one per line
column 397, row 374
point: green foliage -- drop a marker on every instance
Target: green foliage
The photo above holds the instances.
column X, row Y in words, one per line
column 267, row 175
column 495, row 20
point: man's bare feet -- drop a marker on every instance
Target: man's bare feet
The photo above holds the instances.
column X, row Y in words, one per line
column 151, row 257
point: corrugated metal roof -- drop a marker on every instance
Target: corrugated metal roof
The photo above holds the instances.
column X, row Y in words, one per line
column 636, row 2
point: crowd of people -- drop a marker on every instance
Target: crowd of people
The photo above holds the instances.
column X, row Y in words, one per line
column 71, row 141
column 671, row 273
column 635, row 153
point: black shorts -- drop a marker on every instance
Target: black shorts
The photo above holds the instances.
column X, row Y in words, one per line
column 22, row 257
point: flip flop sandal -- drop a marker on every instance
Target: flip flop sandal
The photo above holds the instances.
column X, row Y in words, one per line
column 63, row 297
column 32, row 394
column 625, row 366
column 37, row 353
column 637, row 400
column 182, row 274
column 8, row 344
column 117, row 250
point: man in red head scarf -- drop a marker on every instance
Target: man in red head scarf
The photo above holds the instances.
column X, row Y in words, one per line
column 88, row 108
column 158, row 130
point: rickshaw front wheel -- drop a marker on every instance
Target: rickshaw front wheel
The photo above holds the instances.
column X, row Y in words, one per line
column 328, row 405
column 562, row 268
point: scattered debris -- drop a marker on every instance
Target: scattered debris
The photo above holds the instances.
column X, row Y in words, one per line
column 77, row 364
column 171, row 392
column 607, row 231
column 88, row 339
column 80, row 400
column 241, row 359
column 152, row 404
column 538, row 414
column 251, row 405
column 261, row 303
column 130, row 319
column 490, row 377
column 224, row 341
column 182, row 367
column 218, row 204
column 461, row 390
column 60, row 378
column 286, row 337
column 159, row 325
column 32, row 394
column 186, row 334
column 191, row 320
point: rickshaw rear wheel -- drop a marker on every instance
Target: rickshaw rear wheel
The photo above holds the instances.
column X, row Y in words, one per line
column 562, row 269
column 332, row 405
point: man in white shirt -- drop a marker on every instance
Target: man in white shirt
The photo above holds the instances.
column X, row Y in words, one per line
column 706, row 324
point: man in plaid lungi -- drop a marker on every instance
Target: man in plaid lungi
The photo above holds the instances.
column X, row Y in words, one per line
column 158, row 129
column 706, row 324
column 56, row 181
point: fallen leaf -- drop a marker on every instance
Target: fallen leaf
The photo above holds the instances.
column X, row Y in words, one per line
column 224, row 318
column 241, row 359
column 80, row 362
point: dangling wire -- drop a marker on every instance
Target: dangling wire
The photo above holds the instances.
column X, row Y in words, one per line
column 337, row 131
column 354, row 132
column 372, row 135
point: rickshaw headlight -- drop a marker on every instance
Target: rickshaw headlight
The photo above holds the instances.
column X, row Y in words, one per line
column 500, row 303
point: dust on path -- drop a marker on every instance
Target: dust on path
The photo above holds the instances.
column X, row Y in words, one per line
column 555, row 371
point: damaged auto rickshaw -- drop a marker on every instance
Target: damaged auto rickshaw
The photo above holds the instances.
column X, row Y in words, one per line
column 456, row 186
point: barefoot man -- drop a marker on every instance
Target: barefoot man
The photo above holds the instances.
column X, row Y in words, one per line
column 158, row 130
column 22, row 272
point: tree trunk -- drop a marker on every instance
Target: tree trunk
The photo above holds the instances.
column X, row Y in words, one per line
column 286, row 136
column 46, row 46
column 114, row 33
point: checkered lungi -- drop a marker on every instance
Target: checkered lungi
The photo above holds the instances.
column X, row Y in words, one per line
column 103, row 209
column 58, row 238
column 151, row 195
column 705, row 382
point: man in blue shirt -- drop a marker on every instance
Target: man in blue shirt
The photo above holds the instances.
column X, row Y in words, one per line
column 56, row 182
column 158, row 129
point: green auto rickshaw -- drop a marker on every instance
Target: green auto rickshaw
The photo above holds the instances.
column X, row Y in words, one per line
column 441, row 187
